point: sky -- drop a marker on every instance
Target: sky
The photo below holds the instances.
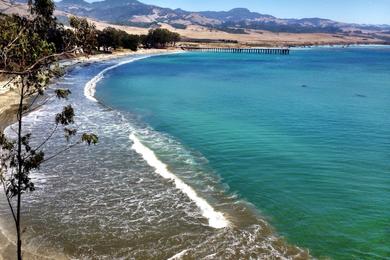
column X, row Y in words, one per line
column 354, row 11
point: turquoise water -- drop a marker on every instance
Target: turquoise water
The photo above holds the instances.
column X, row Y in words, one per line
column 304, row 138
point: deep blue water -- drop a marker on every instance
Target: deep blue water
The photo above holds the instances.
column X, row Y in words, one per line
column 304, row 138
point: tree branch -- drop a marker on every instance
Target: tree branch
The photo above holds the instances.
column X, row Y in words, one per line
column 62, row 151
column 38, row 106
column 14, row 40
column 9, row 202
column 38, row 62
column 9, row 82
column 47, row 139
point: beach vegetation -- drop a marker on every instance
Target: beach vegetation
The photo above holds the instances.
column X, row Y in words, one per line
column 29, row 49
column 160, row 38
column 114, row 38
column 179, row 26
column 85, row 34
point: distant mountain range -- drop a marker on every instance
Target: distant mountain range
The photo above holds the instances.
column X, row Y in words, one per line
column 135, row 13
column 237, row 21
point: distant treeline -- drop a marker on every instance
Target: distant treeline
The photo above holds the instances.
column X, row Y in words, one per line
column 231, row 30
column 81, row 36
column 156, row 38
column 111, row 38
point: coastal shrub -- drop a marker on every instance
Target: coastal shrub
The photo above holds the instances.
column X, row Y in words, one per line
column 29, row 50
column 114, row 38
column 160, row 38
column 131, row 41
column 179, row 26
column 85, row 34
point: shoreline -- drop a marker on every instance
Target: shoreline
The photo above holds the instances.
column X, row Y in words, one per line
column 8, row 109
column 216, row 218
column 68, row 66
column 9, row 97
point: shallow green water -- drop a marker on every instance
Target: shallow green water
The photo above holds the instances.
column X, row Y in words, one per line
column 305, row 138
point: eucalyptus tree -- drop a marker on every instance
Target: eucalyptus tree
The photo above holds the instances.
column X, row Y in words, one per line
column 28, row 62
column 114, row 38
column 159, row 38
column 85, row 34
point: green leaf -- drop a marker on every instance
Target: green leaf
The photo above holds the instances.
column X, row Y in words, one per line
column 90, row 138
column 66, row 116
column 69, row 132
column 62, row 93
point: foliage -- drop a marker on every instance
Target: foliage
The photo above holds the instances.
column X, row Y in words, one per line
column 179, row 26
column 130, row 41
column 113, row 38
column 160, row 38
column 82, row 37
column 29, row 49
column 232, row 30
column 85, row 34
column 20, row 45
column 90, row 138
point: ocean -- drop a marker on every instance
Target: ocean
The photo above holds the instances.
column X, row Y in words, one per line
column 219, row 156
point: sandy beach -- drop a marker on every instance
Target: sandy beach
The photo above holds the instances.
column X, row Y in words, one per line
column 8, row 106
column 233, row 131
column 9, row 95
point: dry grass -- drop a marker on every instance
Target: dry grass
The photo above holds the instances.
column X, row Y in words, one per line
column 251, row 38
column 255, row 37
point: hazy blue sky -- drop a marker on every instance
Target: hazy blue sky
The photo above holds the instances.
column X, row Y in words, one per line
column 360, row 11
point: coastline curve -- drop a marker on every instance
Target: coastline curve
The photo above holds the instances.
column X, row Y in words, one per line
column 216, row 219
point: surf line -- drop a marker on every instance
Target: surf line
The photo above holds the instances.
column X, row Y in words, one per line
column 90, row 87
column 216, row 219
column 178, row 255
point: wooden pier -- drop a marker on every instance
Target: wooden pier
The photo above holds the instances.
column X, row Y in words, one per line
column 278, row 51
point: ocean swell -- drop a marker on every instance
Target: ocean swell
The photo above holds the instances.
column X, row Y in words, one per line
column 90, row 87
column 216, row 219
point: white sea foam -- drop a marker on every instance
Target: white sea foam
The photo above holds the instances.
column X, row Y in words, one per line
column 178, row 255
column 90, row 87
column 215, row 218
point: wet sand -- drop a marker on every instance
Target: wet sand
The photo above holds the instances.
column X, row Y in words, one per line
column 9, row 96
column 9, row 99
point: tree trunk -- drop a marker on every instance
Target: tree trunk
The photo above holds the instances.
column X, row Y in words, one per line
column 20, row 170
